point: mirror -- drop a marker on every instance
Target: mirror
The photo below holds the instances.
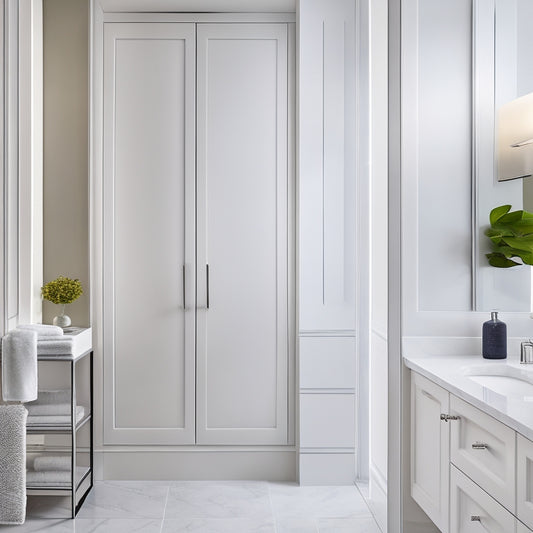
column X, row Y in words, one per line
column 502, row 72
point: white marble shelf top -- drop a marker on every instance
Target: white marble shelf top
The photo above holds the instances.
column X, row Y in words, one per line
column 451, row 373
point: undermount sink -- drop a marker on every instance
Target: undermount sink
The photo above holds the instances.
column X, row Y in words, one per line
column 503, row 379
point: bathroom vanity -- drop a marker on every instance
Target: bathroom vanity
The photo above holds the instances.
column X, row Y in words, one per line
column 472, row 443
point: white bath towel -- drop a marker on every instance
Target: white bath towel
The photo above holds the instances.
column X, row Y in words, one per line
column 54, row 338
column 52, row 462
column 19, row 366
column 59, row 420
column 43, row 330
column 55, row 347
column 12, row 464
column 52, row 478
column 50, row 409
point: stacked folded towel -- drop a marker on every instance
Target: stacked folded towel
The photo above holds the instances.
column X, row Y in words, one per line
column 44, row 463
column 59, row 420
column 50, row 339
column 43, row 330
column 53, row 407
column 53, row 478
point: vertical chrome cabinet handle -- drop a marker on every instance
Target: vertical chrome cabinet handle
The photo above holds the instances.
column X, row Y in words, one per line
column 207, row 284
column 183, row 285
column 479, row 446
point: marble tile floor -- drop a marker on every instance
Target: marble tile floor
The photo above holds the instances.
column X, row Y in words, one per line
column 203, row 507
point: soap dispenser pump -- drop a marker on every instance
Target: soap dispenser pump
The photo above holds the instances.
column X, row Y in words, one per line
column 494, row 338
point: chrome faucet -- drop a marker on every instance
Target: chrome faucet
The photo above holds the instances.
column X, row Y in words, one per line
column 526, row 352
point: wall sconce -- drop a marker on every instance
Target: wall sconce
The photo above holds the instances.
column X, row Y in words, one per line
column 514, row 139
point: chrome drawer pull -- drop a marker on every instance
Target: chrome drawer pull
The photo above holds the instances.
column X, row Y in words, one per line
column 446, row 418
column 479, row 446
column 475, row 518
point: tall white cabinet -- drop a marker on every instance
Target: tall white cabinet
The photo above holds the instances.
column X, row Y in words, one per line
column 196, row 233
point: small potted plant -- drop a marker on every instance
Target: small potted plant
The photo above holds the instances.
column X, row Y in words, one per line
column 511, row 233
column 62, row 291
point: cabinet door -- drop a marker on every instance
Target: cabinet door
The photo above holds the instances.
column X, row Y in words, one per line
column 149, row 226
column 430, row 449
column 524, row 480
column 472, row 510
column 242, row 218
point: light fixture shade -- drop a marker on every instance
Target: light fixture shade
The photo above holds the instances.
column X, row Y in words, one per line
column 514, row 139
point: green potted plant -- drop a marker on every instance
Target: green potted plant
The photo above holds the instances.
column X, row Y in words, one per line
column 62, row 291
column 511, row 234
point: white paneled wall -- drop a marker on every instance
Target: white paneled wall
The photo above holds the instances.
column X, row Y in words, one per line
column 21, row 158
column 327, row 241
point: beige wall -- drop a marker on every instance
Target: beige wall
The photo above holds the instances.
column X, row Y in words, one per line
column 66, row 171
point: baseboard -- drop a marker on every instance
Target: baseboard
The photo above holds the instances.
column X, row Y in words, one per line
column 327, row 468
column 191, row 465
column 377, row 500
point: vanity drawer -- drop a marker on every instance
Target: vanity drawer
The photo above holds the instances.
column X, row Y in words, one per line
column 472, row 510
column 484, row 449
column 524, row 480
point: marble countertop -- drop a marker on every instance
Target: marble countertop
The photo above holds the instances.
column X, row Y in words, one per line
column 451, row 372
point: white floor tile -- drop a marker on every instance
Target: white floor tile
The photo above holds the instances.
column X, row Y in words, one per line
column 41, row 525
column 203, row 507
column 218, row 500
column 290, row 500
column 125, row 499
column 219, row 525
column 348, row 525
column 117, row 525
column 296, row 525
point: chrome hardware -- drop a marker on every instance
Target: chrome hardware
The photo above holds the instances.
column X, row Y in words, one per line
column 446, row 418
column 479, row 446
column 526, row 352
column 475, row 518
column 183, row 285
column 207, row 284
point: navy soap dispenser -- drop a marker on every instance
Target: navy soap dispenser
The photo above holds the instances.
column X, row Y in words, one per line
column 494, row 338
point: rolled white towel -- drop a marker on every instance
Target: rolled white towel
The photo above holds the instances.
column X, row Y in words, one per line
column 19, row 366
column 52, row 420
column 43, row 330
column 52, row 409
column 52, row 462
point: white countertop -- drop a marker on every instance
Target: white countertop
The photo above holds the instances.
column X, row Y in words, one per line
column 450, row 372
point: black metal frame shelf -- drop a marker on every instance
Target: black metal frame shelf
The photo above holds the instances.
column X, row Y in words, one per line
column 75, row 485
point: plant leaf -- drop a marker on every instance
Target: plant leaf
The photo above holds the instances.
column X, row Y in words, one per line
column 498, row 212
column 500, row 261
column 522, row 243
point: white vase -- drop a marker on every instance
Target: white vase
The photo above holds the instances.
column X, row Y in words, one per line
column 62, row 320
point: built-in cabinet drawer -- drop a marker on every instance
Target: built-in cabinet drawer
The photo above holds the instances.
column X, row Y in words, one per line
column 524, row 480
column 472, row 510
column 484, row 449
